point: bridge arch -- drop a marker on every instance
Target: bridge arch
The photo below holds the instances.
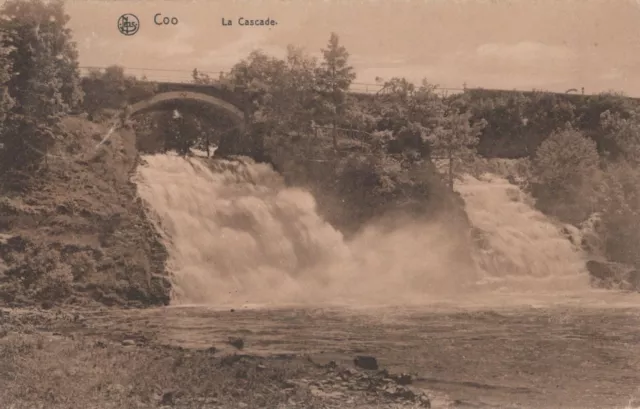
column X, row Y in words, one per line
column 235, row 113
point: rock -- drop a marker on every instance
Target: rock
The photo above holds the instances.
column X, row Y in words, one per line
column 612, row 275
column 168, row 398
column 366, row 362
column 128, row 342
column 424, row 401
column 236, row 342
column 46, row 305
column 331, row 365
column 212, row 350
column 403, row 379
column 347, row 373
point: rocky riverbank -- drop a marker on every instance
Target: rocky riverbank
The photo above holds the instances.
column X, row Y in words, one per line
column 54, row 358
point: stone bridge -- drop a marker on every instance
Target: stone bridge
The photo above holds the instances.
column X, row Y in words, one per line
column 240, row 139
column 233, row 104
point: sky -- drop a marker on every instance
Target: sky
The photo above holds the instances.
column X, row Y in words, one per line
column 553, row 45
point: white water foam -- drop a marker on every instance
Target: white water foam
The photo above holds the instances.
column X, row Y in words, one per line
column 237, row 234
column 520, row 247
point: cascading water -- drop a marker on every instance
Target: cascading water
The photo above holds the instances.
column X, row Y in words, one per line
column 519, row 247
column 236, row 233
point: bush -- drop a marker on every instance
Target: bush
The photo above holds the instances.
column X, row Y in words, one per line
column 55, row 285
column 39, row 274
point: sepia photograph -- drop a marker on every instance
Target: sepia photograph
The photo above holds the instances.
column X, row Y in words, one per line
column 320, row 204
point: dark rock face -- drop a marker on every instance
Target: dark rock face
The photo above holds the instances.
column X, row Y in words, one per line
column 611, row 275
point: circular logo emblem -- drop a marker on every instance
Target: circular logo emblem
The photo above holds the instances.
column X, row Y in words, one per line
column 128, row 24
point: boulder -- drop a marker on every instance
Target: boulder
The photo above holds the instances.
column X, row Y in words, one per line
column 612, row 275
column 238, row 343
column 366, row 362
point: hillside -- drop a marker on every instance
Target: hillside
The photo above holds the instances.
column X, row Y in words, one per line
column 79, row 234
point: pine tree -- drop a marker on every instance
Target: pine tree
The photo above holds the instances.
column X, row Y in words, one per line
column 335, row 76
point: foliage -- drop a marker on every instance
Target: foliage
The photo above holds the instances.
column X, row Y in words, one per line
column 342, row 147
column 621, row 212
column 456, row 139
column 589, row 109
column 516, row 123
column 282, row 96
column 333, row 79
column 374, row 186
column 622, row 135
column 113, row 89
column 567, row 175
column 44, row 81
column 281, row 90
column 42, row 276
column 411, row 114
column 201, row 78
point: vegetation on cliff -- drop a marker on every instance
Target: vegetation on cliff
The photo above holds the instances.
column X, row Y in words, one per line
column 71, row 227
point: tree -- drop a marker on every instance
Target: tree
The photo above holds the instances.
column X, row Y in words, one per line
column 334, row 77
column 412, row 114
column 567, row 174
column 282, row 96
column 623, row 135
column 104, row 90
column 201, row 78
column 456, row 139
column 44, row 82
column 621, row 212
column 113, row 89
